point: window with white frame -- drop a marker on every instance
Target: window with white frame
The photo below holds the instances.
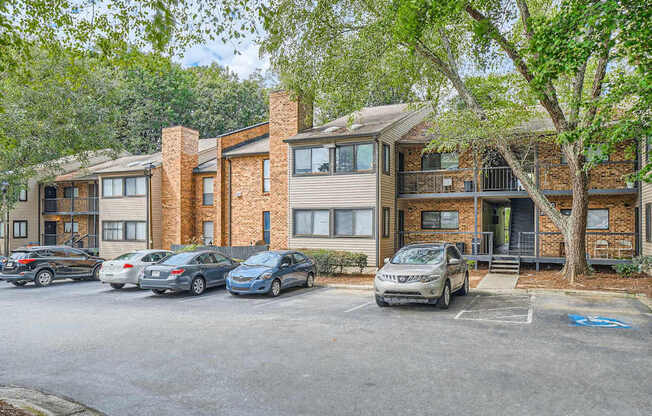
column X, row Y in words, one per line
column 71, row 227
column 22, row 195
column 112, row 187
column 354, row 222
column 207, row 231
column 354, row 157
column 20, row 229
column 135, row 231
column 312, row 223
column 207, row 191
column 136, row 186
column 266, row 176
column 311, row 160
column 439, row 220
column 597, row 219
column 112, row 231
column 2, row 230
column 387, row 157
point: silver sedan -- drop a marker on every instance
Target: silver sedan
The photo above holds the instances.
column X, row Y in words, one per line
column 125, row 269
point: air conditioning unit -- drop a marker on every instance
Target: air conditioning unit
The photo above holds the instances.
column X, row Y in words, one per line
column 448, row 182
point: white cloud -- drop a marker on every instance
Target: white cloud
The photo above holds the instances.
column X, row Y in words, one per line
column 243, row 64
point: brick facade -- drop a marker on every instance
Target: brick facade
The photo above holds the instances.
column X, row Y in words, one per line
column 180, row 150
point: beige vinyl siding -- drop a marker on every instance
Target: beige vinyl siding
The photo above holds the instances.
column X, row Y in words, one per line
column 120, row 209
column 332, row 191
column 387, row 246
column 25, row 211
column 646, row 198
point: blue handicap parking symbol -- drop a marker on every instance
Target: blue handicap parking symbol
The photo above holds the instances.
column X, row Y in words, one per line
column 579, row 320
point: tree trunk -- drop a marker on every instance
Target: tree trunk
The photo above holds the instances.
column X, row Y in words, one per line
column 575, row 234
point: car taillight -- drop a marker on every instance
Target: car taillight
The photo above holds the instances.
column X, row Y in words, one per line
column 127, row 266
column 177, row 271
column 26, row 261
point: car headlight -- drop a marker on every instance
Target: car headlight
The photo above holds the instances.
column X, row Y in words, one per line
column 265, row 276
column 380, row 276
column 430, row 278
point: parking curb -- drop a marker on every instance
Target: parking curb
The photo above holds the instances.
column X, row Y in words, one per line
column 345, row 286
column 40, row 403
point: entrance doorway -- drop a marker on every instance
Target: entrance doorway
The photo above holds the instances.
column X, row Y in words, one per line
column 50, row 233
column 511, row 220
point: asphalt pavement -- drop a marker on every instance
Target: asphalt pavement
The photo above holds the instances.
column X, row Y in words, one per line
column 324, row 351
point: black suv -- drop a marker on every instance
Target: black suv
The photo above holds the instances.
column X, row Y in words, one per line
column 44, row 264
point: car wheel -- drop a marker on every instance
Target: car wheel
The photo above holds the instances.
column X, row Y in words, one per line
column 197, row 286
column 19, row 283
column 117, row 285
column 234, row 293
column 275, row 290
column 464, row 290
column 445, row 299
column 96, row 273
column 381, row 302
column 158, row 291
column 310, row 280
column 43, row 278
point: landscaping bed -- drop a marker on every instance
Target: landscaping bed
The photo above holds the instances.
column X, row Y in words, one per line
column 368, row 279
column 8, row 410
column 600, row 280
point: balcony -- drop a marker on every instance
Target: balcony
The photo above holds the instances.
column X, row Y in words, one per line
column 86, row 242
column 435, row 181
column 70, row 206
column 601, row 247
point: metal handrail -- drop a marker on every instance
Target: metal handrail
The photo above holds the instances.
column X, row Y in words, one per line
column 484, row 246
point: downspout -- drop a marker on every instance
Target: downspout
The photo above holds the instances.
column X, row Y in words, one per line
column 638, row 237
column 229, row 203
column 38, row 207
column 148, row 208
column 475, row 243
column 378, row 207
column 536, row 208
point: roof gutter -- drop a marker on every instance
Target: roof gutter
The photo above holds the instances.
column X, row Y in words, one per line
column 339, row 136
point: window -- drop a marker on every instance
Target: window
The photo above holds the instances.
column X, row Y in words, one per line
column 452, row 253
column 438, row 161
column 207, row 191
column 71, row 192
column 112, row 231
column 20, row 229
column 135, row 186
column 22, row 195
column 311, row 160
column 648, row 223
column 206, row 258
column 432, row 220
column 2, row 230
column 354, row 222
column 597, row 219
column 112, row 187
column 220, row 259
column 386, row 224
column 299, row 258
column 312, row 223
column 354, row 158
column 135, row 231
column 71, row 227
column 386, row 159
column 207, row 232
column 266, row 178
column 266, row 227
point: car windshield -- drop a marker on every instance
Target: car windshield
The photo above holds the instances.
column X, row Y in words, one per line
column 419, row 255
column 17, row 255
column 178, row 259
column 129, row 256
column 267, row 259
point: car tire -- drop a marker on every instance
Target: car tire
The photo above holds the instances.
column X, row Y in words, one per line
column 310, row 281
column 19, row 283
column 158, row 291
column 234, row 293
column 96, row 273
column 275, row 288
column 381, row 302
column 464, row 290
column 197, row 286
column 117, row 286
column 43, row 278
column 445, row 298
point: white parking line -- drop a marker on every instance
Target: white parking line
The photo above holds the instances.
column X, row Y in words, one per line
column 285, row 299
column 526, row 318
column 355, row 308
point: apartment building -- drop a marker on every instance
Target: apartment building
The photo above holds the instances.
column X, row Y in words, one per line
column 359, row 183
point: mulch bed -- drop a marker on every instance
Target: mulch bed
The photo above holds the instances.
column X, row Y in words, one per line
column 368, row 279
column 8, row 410
column 604, row 281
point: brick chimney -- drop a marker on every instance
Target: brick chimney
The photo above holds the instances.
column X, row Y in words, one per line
column 287, row 117
column 179, row 155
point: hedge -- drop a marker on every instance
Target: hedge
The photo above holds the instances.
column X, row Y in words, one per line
column 328, row 261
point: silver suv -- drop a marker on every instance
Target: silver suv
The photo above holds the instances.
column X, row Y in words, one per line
column 422, row 273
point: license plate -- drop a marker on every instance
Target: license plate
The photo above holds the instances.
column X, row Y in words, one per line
column 10, row 264
column 156, row 273
column 108, row 274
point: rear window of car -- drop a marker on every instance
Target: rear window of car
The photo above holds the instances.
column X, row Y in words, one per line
column 179, row 259
column 128, row 256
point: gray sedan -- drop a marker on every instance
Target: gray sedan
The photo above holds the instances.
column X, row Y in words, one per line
column 193, row 271
column 423, row 273
column 125, row 268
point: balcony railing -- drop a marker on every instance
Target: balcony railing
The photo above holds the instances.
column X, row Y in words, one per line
column 468, row 242
column 88, row 241
column 70, row 205
column 435, row 181
column 500, row 178
column 599, row 245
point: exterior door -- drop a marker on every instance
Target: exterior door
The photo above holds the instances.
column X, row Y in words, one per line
column 209, row 268
column 401, row 228
column 223, row 267
column 50, row 203
column 50, row 233
column 287, row 273
column 80, row 264
column 302, row 267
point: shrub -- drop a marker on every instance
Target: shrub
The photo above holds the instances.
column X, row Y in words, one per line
column 329, row 261
column 625, row 269
column 189, row 247
column 643, row 263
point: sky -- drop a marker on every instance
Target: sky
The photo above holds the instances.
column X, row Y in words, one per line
column 242, row 64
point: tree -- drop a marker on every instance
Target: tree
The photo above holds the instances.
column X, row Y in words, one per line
column 573, row 58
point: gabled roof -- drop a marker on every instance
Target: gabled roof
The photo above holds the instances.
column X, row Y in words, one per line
column 210, row 166
column 370, row 121
column 255, row 146
column 228, row 133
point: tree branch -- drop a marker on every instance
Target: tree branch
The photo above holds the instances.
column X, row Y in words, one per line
column 578, row 88
column 525, row 16
column 600, row 72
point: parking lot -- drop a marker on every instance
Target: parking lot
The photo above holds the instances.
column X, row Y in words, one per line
column 323, row 351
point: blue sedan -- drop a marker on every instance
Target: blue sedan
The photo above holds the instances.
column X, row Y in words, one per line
column 270, row 271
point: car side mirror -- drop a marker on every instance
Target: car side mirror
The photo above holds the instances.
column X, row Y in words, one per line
column 386, row 260
column 454, row 261
column 284, row 265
